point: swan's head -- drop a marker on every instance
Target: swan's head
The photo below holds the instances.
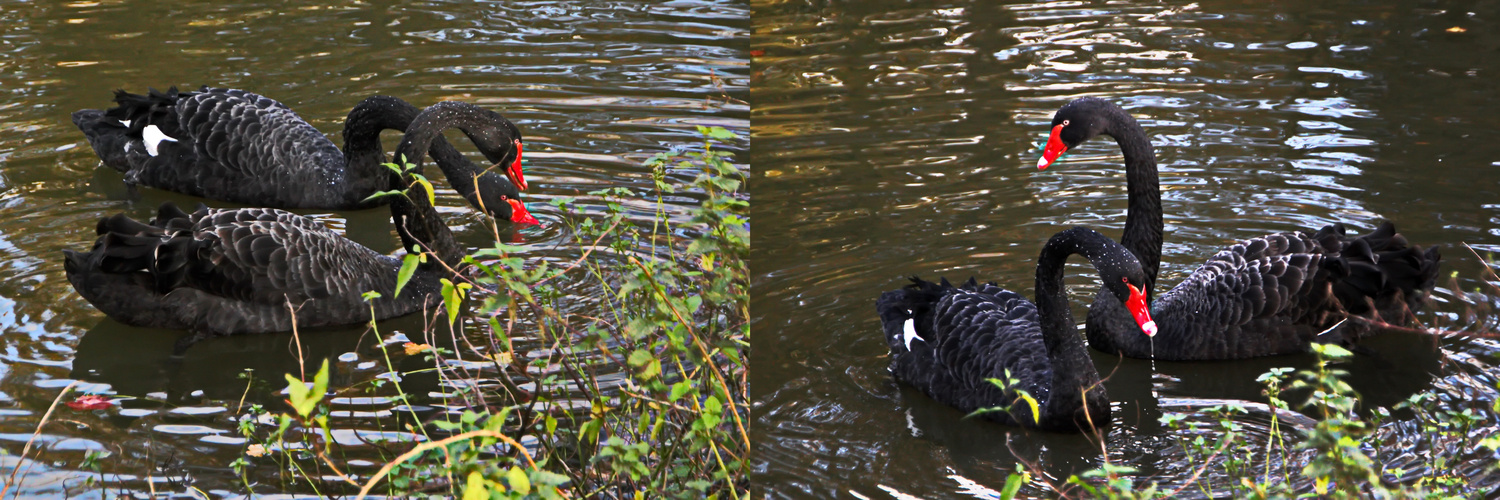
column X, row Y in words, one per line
column 500, row 142
column 513, row 171
column 1074, row 123
column 1136, row 303
column 1130, row 291
column 519, row 214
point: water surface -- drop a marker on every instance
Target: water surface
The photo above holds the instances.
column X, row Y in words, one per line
column 898, row 139
column 596, row 88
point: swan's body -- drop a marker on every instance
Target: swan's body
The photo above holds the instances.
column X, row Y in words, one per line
column 1263, row 296
column 237, row 146
column 949, row 341
column 235, row 271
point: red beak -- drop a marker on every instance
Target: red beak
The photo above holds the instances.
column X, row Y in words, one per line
column 1137, row 306
column 1055, row 148
column 519, row 215
column 514, row 172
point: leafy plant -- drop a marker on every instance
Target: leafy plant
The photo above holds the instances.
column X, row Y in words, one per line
column 674, row 297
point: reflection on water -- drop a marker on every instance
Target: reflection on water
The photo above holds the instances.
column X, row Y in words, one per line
column 898, row 139
column 597, row 87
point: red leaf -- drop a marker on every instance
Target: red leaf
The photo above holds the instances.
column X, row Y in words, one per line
column 91, row 402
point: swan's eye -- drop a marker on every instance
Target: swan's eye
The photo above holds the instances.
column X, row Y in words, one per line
column 1125, row 280
column 1065, row 123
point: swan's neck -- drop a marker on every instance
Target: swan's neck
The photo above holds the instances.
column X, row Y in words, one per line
column 487, row 130
column 419, row 224
column 363, row 153
column 1143, row 222
column 1073, row 372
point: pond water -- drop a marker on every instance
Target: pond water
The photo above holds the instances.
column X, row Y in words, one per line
column 596, row 88
column 898, row 138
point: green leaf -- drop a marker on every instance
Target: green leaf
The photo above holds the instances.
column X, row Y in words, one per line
column 453, row 297
column 382, row 194
column 431, row 195
column 720, row 133
column 408, row 267
column 474, row 489
column 304, row 400
column 1030, row 401
column 652, row 370
column 678, row 390
column 518, row 480
column 370, row 295
column 1013, row 483
column 639, row 357
column 296, row 392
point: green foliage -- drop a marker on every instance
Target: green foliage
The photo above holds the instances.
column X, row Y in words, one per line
column 1340, row 452
column 408, row 268
column 303, row 398
column 672, row 314
column 1008, row 384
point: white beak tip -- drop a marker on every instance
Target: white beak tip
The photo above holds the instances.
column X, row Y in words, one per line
column 1150, row 328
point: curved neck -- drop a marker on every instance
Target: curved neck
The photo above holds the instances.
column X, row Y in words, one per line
column 487, row 130
column 363, row 153
column 1143, row 222
column 419, row 224
column 1072, row 369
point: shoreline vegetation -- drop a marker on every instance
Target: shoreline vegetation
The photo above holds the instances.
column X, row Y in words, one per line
column 643, row 394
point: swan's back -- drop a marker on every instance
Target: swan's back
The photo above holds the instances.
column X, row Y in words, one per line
column 223, row 144
column 1275, row 294
column 235, row 271
column 967, row 334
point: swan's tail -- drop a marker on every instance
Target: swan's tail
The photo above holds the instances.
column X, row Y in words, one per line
column 109, row 138
column 905, row 314
column 130, row 269
column 1389, row 279
column 126, row 246
column 155, row 108
column 117, row 134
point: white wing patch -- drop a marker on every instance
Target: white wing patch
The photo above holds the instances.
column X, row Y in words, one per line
column 125, row 122
column 153, row 137
column 909, row 332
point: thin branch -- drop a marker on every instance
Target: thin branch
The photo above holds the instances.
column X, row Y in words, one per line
column 27, row 449
column 363, row 492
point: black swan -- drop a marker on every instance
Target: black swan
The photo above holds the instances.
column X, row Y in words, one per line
column 1264, row 296
column 948, row 341
column 235, row 271
column 240, row 147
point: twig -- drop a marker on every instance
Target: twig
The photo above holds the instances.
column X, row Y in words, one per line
column 335, row 468
column 296, row 338
column 585, row 254
column 363, row 492
column 248, row 380
column 1481, row 259
column 698, row 342
column 708, row 359
column 1201, row 468
column 27, row 449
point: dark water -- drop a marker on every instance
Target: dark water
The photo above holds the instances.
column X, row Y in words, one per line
column 596, row 87
column 897, row 138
